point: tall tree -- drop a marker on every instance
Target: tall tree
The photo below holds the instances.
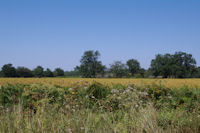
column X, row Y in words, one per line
column 8, row 70
column 133, row 66
column 38, row 71
column 119, row 69
column 185, row 64
column 90, row 65
column 58, row 72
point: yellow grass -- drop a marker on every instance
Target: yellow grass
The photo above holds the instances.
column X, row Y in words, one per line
column 68, row 82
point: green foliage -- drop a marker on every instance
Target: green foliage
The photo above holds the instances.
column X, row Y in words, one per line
column 48, row 73
column 58, row 72
column 98, row 108
column 119, row 69
column 133, row 66
column 24, row 72
column 1, row 74
column 10, row 94
column 8, row 71
column 97, row 91
column 178, row 65
column 38, row 72
column 90, row 65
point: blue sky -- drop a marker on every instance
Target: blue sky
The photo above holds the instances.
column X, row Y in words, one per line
column 55, row 33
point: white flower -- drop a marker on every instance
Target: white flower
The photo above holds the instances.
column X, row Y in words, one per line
column 71, row 89
column 119, row 98
column 127, row 91
column 114, row 91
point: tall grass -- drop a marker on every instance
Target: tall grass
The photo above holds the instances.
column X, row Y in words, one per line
column 46, row 109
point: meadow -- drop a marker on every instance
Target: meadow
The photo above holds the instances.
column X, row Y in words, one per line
column 70, row 82
column 76, row 105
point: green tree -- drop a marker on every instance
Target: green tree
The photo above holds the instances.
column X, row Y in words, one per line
column 38, row 72
column 133, row 66
column 185, row 65
column 48, row 73
column 178, row 65
column 24, row 72
column 119, row 69
column 162, row 65
column 58, row 72
column 142, row 72
column 8, row 71
column 198, row 73
column 1, row 74
column 90, row 65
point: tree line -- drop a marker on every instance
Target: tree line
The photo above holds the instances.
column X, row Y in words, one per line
column 8, row 70
column 177, row 65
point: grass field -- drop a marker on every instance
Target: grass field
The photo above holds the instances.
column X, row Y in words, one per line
column 70, row 82
column 75, row 105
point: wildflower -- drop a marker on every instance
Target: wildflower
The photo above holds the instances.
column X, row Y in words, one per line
column 70, row 130
column 71, row 89
column 119, row 98
column 114, row 91
column 73, row 93
column 127, row 91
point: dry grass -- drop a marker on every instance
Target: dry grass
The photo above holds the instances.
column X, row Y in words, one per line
column 68, row 82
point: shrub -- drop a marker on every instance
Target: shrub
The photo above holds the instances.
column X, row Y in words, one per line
column 97, row 90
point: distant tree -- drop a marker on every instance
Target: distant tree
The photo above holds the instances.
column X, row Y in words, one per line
column 142, row 72
column 1, row 74
column 119, row 69
column 90, row 65
column 198, row 73
column 178, row 65
column 185, row 65
column 74, row 73
column 24, row 72
column 8, row 71
column 161, row 65
column 48, row 73
column 58, row 72
column 133, row 66
column 38, row 72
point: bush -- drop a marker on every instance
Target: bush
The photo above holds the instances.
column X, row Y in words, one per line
column 97, row 90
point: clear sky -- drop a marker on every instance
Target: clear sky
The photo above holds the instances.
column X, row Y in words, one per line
column 55, row 33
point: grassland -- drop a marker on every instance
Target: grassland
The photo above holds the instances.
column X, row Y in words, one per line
column 75, row 105
column 70, row 82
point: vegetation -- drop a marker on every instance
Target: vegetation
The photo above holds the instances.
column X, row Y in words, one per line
column 58, row 72
column 94, row 107
column 133, row 66
column 38, row 71
column 90, row 65
column 178, row 65
column 118, row 69
column 140, row 82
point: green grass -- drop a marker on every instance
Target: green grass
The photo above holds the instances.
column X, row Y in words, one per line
column 97, row 108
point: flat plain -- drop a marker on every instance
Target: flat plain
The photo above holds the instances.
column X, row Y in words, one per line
column 70, row 82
